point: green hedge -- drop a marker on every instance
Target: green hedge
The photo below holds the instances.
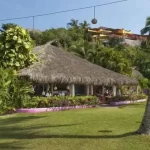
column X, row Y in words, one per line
column 41, row 102
column 126, row 98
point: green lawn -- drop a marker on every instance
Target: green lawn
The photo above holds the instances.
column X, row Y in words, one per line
column 84, row 129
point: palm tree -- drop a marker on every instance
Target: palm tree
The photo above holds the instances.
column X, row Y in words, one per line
column 146, row 29
column 145, row 125
column 82, row 49
column 73, row 23
column 84, row 25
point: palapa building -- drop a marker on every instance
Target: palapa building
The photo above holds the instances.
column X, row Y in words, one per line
column 58, row 69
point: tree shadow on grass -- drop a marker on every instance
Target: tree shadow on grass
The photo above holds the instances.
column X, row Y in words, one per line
column 88, row 136
column 18, row 119
column 22, row 134
column 134, row 105
column 22, row 145
column 105, row 131
column 36, row 135
column 12, row 129
column 11, row 146
column 18, row 132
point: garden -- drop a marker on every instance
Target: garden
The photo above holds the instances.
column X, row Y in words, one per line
column 16, row 46
column 87, row 129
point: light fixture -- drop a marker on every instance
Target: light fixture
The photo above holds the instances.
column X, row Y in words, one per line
column 47, row 95
column 68, row 87
column 94, row 21
column 43, row 93
column 33, row 88
column 55, row 87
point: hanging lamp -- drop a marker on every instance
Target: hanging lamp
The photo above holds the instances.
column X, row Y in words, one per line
column 43, row 93
column 47, row 91
column 55, row 87
column 68, row 87
column 94, row 20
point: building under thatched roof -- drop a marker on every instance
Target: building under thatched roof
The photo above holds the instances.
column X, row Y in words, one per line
column 59, row 66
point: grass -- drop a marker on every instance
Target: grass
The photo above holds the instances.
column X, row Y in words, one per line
column 85, row 129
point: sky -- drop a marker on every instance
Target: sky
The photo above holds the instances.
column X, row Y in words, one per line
column 130, row 15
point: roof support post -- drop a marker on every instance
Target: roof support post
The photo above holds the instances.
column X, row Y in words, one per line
column 114, row 90
column 103, row 89
column 137, row 89
column 91, row 89
column 87, row 89
column 52, row 86
column 72, row 90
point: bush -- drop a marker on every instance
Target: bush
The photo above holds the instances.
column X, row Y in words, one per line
column 117, row 99
column 137, row 97
column 13, row 90
column 131, row 97
column 41, row 102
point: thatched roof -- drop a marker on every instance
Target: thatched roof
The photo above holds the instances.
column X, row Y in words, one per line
column 136, row 74
column 59, row 66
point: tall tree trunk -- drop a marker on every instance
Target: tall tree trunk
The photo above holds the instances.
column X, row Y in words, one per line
column 145, row 125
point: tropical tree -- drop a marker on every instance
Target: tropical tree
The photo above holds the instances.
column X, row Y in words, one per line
column 146, row 29
column 84, row 24
column 114, row 60
column 8, row 26
column 82, row 49
column 36, row 37
column 13, row 90
column 73, row 24
column 16, row 48
column 145, row 125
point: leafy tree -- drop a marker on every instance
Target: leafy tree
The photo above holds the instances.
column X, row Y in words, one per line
column 145, row 125
column 146, row 29
column 13, row 90
column 84, row 24
column 82, row 49
column 8, row 26
column 144, row 82
column 115, row 42
column 73, row 24
column 36, row 37
column 16, row 48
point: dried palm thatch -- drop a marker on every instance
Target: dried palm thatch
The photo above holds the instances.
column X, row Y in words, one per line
column 58, row 66
column 136, row 74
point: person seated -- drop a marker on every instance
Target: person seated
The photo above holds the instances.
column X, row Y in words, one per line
column 106, row 93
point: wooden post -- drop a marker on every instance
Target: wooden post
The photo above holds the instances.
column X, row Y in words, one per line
column 87, row 90
column 72, row 90
column 103, row 89
column 47, row 88
column 114, row 90
column 91, row 89
column 52, row 89
column 137, row 89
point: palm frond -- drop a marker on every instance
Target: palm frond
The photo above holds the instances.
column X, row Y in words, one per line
column 145, row 30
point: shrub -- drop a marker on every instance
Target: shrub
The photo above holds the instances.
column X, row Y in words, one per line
column 131, row 97
column 13, row 90
column 137, row 97
column 54, row 101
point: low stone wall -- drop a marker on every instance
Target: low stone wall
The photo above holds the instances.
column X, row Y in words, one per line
column 51, row 109
column 126, row 102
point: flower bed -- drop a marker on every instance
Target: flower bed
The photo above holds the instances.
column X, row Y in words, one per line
column 125, row 99
column 126, row 102
column 49, row 104
column 62, row 101
column 39, row 110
